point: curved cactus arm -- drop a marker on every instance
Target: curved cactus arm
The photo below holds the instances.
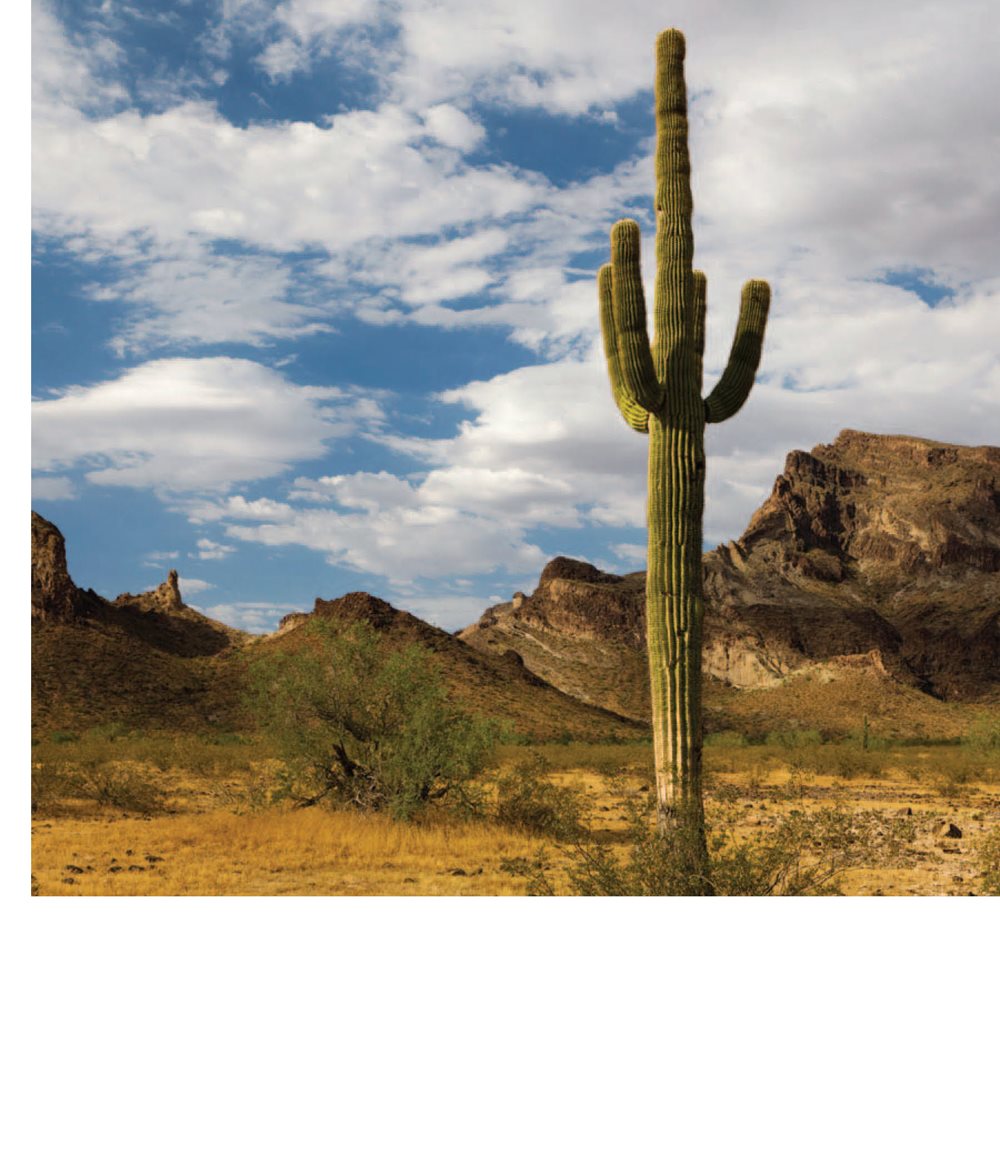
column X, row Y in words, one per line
column 635, row 415
column 698, row 301
column 736, row 382
column 635, row 361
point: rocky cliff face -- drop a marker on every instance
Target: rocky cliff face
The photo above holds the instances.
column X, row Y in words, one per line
column 139, row 659
column 54, row 596
column 873, row 552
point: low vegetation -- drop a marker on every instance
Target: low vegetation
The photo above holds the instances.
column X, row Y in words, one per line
column 398, row 794
column 367, row 728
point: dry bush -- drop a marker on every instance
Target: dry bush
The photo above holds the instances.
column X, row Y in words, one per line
column 805, row 854
column 526, row 801
column 988, row 858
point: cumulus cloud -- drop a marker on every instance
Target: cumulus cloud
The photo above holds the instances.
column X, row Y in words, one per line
column 258, row 616
column 401, row 543
column 52, row 487
column 832, row 159
column 183, row 425
column 207, row 549
column 193, row 587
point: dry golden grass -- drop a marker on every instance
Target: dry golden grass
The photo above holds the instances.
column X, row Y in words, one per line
column 307, row 852
column 212, row 830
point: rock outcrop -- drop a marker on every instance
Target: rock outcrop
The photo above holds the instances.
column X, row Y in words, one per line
column 54, row 596
column 144, row 659
column 873, row 552
column 164, row 598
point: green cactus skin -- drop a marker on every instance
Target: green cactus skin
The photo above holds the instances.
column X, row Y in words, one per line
column 658, row 391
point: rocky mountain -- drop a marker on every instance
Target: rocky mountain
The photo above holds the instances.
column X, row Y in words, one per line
column 140, row 659
column 492, row 684
column 149, row 660
column 875, row 554
column 873, row 567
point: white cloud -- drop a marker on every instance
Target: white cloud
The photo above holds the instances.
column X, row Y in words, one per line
column 258, row 616
column 207, row 549
column 188, row 295
column 401, row 543
column 193, row 587
column 857, row 143
column 158, row 558
column 50, row 488
column 445, row 610
column 184, row 425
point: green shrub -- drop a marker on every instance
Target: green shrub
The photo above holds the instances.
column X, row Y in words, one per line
column 527, row 801
column 365, row 726
column 984, row 733
column 725, row 739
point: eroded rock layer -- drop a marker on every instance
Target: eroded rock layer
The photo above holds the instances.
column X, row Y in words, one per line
column 874, row 552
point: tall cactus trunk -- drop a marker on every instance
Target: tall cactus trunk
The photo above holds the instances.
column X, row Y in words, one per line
column 674, row 619
column 658, row 391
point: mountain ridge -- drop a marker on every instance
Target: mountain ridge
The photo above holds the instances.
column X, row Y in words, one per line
column 875, row 551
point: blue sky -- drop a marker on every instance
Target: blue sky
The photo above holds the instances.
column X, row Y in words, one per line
column 313, row 282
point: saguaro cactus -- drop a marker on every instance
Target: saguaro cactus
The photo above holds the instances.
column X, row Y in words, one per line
column 658, row 391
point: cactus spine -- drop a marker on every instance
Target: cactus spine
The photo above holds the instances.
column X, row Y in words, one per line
column 658, row 391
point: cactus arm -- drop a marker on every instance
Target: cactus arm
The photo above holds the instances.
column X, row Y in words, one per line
column 635, row 361
column 698, row 301
column 674, row 208
column 634, row 414
column 736, row 382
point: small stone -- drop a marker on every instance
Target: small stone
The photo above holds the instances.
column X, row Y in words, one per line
column 73, row 868
column 409, row 879
column 69, row 879
column 458, row 871
column 135, row 867
column 115, row 868
column 154, row 858
column 957, row 879
column 951, row 831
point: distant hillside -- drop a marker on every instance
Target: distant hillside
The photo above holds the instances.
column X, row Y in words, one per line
column 869, row 581
column 151, row 661
column 875, row 555
column 148, row 660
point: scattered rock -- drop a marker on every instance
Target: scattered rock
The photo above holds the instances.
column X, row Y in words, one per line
column 135, row 867
column 73, row 868
column 154, row 858
column 116, row 868
column 69, row 879
column 950, row 831
column 458, row 871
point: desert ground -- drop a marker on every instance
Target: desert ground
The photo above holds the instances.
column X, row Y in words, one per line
column 119, row 814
